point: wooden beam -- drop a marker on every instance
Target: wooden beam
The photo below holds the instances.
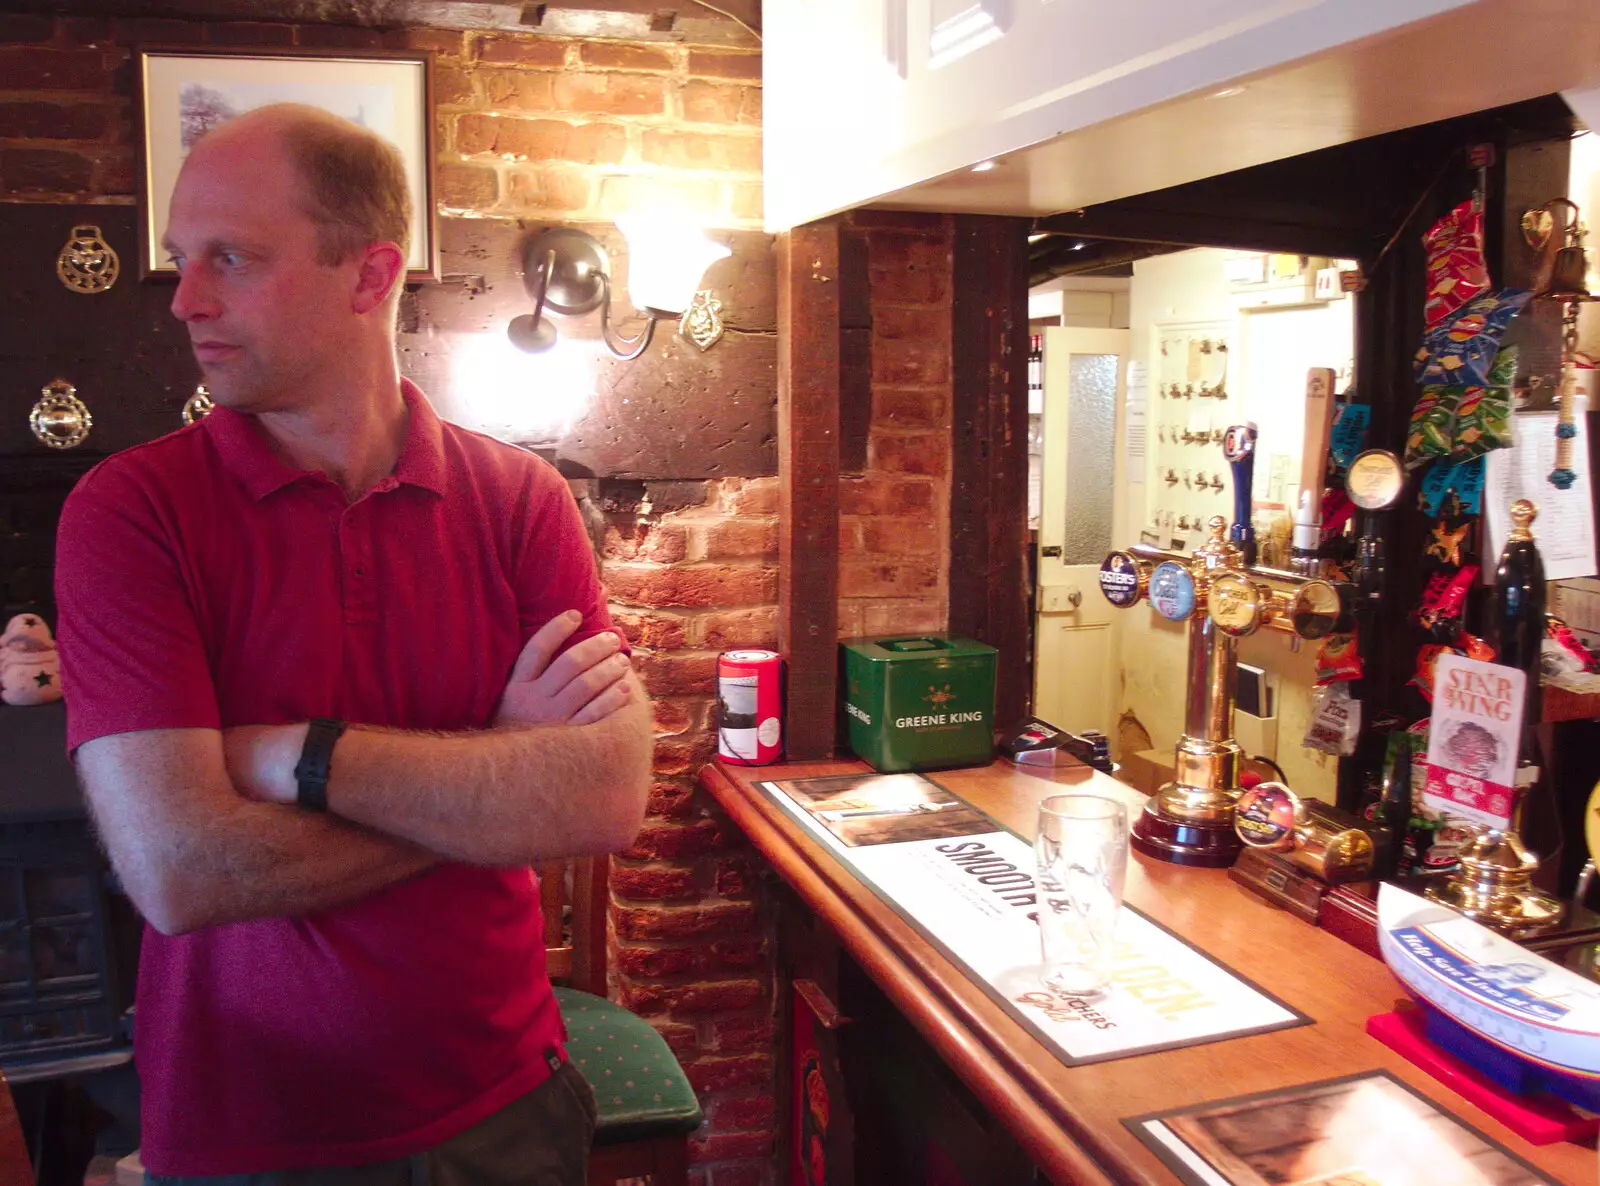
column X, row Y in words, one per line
column 808, row 481
column 1179, row 228
column 989, row 451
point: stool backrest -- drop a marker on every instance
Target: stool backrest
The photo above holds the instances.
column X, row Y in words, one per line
column 572, row 895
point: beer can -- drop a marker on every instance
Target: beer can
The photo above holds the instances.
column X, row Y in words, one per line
column 750, row 707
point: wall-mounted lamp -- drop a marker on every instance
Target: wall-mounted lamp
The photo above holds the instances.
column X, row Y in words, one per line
column 567, row 271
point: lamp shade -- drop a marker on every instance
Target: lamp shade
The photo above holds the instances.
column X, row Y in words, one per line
column 665, row 262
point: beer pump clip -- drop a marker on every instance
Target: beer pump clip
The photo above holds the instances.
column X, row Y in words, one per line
column 1374, row 483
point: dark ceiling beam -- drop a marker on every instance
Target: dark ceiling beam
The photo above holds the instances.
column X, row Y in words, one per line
column 1178, row 228
column 1097, row 260
column 640, row 19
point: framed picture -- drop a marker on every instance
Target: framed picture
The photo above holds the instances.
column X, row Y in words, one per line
column 184, row 93
column 1367, row 1129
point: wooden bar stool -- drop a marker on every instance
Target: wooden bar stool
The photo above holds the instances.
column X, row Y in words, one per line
column 647, row 1107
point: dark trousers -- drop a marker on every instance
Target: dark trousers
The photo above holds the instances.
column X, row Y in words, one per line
column 541, row 1139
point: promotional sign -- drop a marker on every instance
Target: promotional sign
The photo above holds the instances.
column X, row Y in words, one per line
column 1472, row 741
column 968, row 887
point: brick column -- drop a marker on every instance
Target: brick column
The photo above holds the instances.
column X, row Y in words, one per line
column 690, row 567
column 894, row 536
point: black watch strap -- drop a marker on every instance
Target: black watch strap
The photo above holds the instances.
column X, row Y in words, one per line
column 316, row 763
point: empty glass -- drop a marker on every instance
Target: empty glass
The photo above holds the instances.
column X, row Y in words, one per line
column 1081, row 847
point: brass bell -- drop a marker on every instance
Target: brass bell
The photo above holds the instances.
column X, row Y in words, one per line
column 1569, row 271
column 1568, row 279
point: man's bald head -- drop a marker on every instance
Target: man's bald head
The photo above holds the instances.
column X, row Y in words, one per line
column 352, row 181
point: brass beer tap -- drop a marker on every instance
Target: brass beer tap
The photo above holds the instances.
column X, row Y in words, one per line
column 1189, row 821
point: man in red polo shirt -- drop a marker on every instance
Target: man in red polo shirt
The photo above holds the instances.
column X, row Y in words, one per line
column 337, row 674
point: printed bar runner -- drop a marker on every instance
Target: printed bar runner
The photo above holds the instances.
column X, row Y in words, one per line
column 967, row 886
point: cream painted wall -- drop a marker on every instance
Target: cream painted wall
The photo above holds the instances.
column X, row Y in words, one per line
column 1190, row 288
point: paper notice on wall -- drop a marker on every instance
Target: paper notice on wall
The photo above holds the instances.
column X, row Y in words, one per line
column 1134, row 427
column 1565, row 526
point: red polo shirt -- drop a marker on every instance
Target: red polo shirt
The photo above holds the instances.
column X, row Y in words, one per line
column 204, row 582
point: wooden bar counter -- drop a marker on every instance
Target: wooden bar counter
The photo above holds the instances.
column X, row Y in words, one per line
column 1069, row 1119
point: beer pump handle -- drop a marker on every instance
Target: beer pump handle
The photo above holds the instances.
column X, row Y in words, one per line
column 1239, row 447
column 1374, row 483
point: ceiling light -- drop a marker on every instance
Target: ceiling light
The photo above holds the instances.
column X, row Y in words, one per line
column 983, row 166
column 1228, row 92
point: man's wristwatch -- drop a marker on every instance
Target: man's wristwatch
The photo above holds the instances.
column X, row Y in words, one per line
column 316, row 763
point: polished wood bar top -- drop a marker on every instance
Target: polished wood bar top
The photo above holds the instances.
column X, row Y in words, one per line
column 1070, row 1118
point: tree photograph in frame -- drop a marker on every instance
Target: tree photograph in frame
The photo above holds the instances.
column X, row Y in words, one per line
column 185, row 94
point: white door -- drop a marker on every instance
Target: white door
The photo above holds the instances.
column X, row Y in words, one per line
column 1074, row 660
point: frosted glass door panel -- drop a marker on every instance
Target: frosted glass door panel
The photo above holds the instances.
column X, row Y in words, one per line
column 1092, row 388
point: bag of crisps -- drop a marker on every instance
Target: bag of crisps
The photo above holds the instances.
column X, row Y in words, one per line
column 1457, row 271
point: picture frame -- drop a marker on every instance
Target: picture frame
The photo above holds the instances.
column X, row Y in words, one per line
column 182, row 91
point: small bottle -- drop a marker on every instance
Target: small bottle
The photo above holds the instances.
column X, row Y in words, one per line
column 1306, row 545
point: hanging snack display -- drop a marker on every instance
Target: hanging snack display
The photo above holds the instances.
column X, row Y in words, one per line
column 1463, row 423
column 1456, row 269
column 1453, row 489
column 1444, row 602
column 1462, row 351
column 87, row 263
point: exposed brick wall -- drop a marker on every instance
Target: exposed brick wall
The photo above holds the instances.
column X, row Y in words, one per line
column 526, row 126
column 566, row 130
column 691, row 569
column 894, row 534
column 578, row 130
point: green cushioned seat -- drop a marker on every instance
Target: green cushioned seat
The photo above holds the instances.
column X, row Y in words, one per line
column 641, row 1090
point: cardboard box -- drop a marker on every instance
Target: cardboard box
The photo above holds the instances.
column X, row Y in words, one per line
column 923, row 702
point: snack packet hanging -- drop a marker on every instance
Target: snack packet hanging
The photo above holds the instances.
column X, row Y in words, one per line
column 1338, row 659
column 1482, row 422
column 1457, row 271
column 1463, row 482
column 1464, row 422
column 1444, row 600
column 1466, row 644
column 1461, row 352
column 1561, row 634
column 1335, row 723
column 1349, row 433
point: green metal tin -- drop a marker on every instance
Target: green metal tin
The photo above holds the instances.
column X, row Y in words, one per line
column 919, row 702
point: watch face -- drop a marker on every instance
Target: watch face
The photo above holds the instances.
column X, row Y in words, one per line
column 1235, row 604
column 1172, row 591
column 1376, row 480
column 1265, row 815
column 1120, row 580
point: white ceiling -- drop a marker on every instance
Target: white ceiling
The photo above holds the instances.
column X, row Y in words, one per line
column 1492, row 53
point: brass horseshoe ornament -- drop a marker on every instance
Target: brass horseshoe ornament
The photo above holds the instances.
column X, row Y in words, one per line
column 60, row 419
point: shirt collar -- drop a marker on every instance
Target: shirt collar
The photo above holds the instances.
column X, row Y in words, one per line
column 246, row 451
